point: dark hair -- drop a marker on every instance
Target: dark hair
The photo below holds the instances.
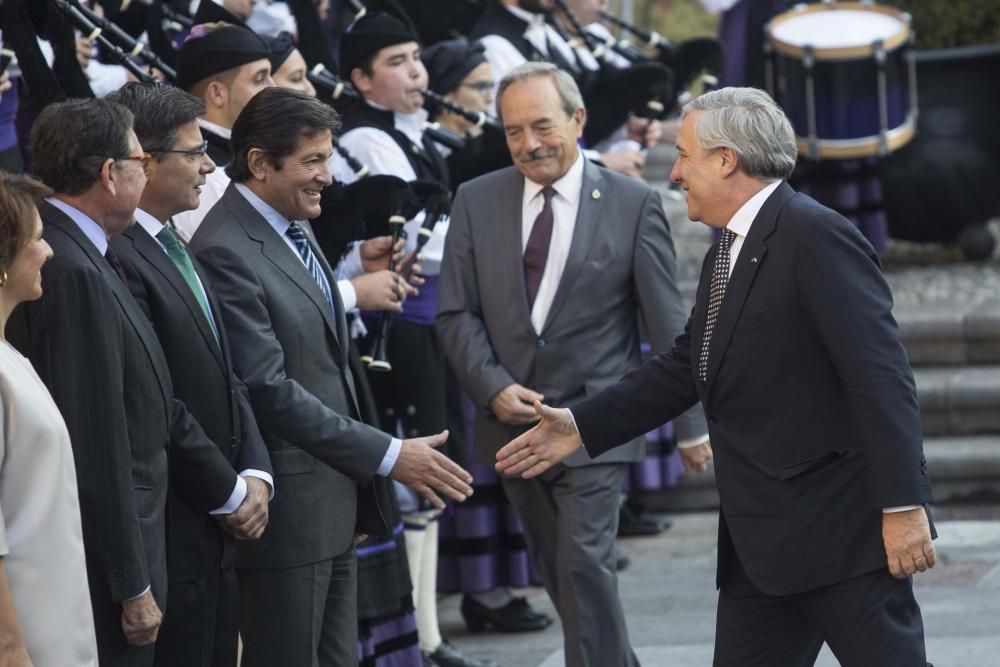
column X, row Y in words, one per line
column 159, row 111
column 18, row 196
column 273, row 121
column 72, row 139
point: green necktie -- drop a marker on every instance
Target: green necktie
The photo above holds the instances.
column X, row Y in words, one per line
column 178, row 255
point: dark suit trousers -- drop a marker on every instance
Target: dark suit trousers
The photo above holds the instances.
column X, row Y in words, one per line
column 201, row 626
column 304, row 616
column 570, row 519
column 869, row 621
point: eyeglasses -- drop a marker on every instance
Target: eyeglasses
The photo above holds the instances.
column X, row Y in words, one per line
column 191, row 153
column 142, row 159
column 480, row 86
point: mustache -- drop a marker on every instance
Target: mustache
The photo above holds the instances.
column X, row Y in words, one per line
column 538, row 154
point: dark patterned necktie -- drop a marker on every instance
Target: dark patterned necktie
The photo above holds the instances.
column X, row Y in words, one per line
column 716, row 292
column 298, row 236
column 536, row 252
column 115, row 264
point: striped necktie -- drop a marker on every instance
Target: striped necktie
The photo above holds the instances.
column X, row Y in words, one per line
column 716, row 292
column 298, row 236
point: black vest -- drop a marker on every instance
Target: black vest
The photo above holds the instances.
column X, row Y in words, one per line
column 427, row 163
column 496, row 20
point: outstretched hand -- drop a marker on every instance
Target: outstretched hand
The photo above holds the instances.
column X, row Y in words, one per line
column 425, row 470
column 550, row 441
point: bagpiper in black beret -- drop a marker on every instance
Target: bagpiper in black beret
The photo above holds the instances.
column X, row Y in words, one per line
column 208, row 52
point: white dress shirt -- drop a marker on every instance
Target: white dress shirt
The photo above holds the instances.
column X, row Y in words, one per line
column 565, row 206
column 280, row 224
column 154, row 227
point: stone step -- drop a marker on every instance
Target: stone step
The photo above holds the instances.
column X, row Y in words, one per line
column 958, row 333
column 959, row 400
column 962, row 469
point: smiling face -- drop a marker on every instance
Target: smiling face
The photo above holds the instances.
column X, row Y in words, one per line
column 176, row 178
column 541, row 138
column 24, row 275
column 700, row 174
column 294, row 189
column 397, row 77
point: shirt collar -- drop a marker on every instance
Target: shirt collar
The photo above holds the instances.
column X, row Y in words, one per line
column 278, row 222
column 148, row 222
column 223, row 132
column 533, row 20
column 90, row 229
column 410, row 124
column 568, row 187
column 740, row 223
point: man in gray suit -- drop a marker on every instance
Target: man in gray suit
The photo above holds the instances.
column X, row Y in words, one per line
column 289, row 343
column 548, row 266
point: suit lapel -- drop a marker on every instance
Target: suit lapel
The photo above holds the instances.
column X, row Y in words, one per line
column 280, row 255
column 748, row 262
column 53, row 216
column 588, row 214
column 512, row 241
column 151, row 251
column 341, row 322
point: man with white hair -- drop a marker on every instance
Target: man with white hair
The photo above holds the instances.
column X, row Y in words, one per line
column 813, row 418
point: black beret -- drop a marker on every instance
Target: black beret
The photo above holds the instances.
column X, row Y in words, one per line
column 281, row 46
column 206, row 53
column 209, row 12
column 451, row 61
column 370, row 34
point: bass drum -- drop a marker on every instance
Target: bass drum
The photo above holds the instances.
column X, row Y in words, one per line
column 844, row 74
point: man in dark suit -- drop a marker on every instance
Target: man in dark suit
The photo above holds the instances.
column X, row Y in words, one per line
column 98, row 355
column 289, row 335
column 811, row 405
column 563, row 324
column 201, row 626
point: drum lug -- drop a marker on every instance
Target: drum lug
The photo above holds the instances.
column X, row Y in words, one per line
column 808, row 61
column 883, row 98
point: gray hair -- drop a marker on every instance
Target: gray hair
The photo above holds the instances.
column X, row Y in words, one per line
column 749, row 122
column 569, row 92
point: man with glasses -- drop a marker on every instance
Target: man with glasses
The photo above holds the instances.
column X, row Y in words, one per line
column 224, row 65
column 99, row 357
column 202, row 618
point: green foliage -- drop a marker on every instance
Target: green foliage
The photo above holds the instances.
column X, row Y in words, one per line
column 948, row 23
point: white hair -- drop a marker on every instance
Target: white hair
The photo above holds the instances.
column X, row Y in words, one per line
column 749, row 122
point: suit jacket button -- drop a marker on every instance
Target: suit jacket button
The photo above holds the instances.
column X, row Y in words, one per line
column 713, row 419
column 233, row 441
column 540, row 343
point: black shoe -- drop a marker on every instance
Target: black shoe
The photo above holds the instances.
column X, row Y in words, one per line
column 632, row 523
column 447, row 655
column 515, row 616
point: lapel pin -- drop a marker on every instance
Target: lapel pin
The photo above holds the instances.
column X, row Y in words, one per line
column 596, row 194
column 753, row 260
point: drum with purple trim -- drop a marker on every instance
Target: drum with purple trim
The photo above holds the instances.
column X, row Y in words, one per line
column 844, row 73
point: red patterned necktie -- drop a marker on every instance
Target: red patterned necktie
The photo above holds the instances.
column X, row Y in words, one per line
column 536, row 252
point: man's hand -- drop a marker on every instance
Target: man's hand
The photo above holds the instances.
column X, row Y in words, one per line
column 625, row 162
column 375, row 253
column 908, row 545
column 382, row 290
column 84, row 51
column 695, row 459
column 141, row 619
column 512, row 405
column 551, row 440
column 425, row 470
column 250, row 518
column 644, row 131
column 5, row 83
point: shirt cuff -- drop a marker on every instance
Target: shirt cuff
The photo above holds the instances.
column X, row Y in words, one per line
column 351, row 265
column 260, row 474
column 391, row 455
column 136, row 597
column 692, row 442
column 347, row 294
column 900, row 508
column 235, row 498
